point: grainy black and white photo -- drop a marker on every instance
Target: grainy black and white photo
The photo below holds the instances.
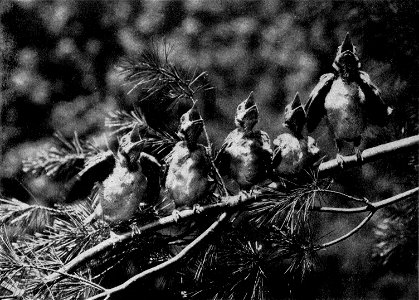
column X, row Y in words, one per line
column 209, row 149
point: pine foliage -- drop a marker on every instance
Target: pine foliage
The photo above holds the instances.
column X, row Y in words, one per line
column 265, row 241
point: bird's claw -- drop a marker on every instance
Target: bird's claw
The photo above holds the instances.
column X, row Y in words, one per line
column 340, row 160
column 358, row 154
column 135, row 229
column 197, row 208
column 175, row 215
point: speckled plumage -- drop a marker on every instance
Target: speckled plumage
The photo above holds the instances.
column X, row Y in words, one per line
column 187, row 175
column 293, row 151
column 121, row 195
column 188, row 164
column 129, row 185
column 348, row 98
column 246, row 154
column 125, row 180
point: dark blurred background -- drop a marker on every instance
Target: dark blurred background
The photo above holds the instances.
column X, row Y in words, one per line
column 58, row 74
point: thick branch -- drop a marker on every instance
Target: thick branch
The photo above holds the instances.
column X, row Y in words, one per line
column 234, row 201
column 369, row 154
column 230, row 201
column 166, row 264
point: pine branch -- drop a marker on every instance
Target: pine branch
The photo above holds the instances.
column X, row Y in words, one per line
column 153, row 74
column 369, row 155
column 62, row 160
column 227, row 202
column 167, row 263
column 371, row 208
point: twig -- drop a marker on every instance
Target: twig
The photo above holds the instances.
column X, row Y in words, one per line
column 372, row 208
column 234, row 201
column 369, row 154
column 346, row 235
column 210, row 154
column 166, row 264
column 230, row 201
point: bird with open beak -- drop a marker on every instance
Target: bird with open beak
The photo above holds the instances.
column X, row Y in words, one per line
column 293, row 150
column 245, row 157
column 132, row 181
column 349, row 100
column 188, row 164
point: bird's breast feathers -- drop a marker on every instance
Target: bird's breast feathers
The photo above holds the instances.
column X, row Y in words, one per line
column 122, row 193
column 292, row 151
column 187, row 177
column 249, row 155
column 344, row 107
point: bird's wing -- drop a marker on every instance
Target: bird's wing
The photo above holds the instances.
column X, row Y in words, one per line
column 96, row 169
column 376, row 109
column 221, row 159
column 315, row 104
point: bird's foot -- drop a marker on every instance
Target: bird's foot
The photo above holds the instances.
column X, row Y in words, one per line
column 114, row 236
column 340, row 160
column 197, row 208
column 135, row 229
column 176, row 215
column 358, row 154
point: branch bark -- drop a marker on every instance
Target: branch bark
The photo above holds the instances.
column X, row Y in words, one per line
column 371, row 208
column 235, row 201
column 369, row 155
column 166, row 264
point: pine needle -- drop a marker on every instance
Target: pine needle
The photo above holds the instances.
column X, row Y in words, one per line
column 62, row 160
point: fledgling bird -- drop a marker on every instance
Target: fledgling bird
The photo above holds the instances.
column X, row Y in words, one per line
column 133, row 180
column 245, row 157
column 349, row 100
column 293, row 150
column 188, row 165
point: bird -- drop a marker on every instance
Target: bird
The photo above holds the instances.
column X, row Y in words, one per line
column 349, row 100
column 246, row 154
column 293, row 150
column 127, row 180
column 188, row 165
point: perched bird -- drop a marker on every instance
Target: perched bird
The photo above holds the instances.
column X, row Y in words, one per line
column 245, row 157
column 188, row 165
column 293, row 150
column 134, row 179
column 349, row 100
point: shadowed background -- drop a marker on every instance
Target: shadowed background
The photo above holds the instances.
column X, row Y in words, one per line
column 58, row 74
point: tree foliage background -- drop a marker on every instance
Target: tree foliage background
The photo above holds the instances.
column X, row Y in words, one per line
column 58, row 74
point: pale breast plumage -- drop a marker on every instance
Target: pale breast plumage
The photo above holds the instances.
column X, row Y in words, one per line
column 122, row 192
column 187, row 176
column 248, row 157
column 292, row 152
column 344, row 107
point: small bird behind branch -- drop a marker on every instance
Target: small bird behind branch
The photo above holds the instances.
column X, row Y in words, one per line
column 294, row 150
column 245, row 157
column 349, row 100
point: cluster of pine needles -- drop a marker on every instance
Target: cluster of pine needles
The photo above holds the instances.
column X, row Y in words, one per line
column 264, row 243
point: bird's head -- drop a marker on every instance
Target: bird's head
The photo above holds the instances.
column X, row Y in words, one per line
column 247, row 113
column 295, row 116
column 191, row 125
column 127, row 155
column 346, row 61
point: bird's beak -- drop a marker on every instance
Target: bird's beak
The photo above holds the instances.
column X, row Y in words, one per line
column 347, row 44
